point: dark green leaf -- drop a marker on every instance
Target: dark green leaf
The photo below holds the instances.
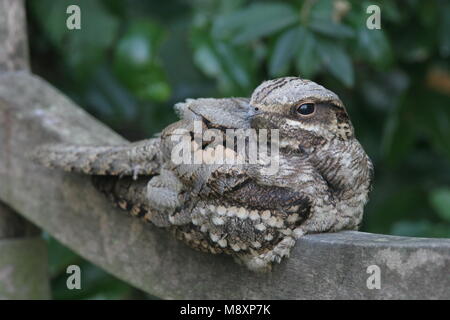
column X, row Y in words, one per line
column 374, row 47
column 108, row 98
column 318, row 10
column 285, row 48
column 256, row 21
column 331, row 29
column 232, row 67
column 307, row 61
column 336, row 61
column 440, row 200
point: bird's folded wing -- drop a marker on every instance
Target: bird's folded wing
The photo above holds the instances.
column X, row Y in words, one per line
column 227, row 112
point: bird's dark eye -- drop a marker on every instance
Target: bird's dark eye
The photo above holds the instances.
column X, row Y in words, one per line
column 306, row 109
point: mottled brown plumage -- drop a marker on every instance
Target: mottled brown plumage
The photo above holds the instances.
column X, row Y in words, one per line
column 321, row 184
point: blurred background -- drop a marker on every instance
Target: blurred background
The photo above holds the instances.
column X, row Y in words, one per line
column 133, row 59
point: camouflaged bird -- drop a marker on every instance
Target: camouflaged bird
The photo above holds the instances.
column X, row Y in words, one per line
column 321, row 185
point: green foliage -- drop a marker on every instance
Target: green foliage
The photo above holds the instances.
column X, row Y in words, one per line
column 253, row 22
column 136, row 61
column 231, row 66
column 102, row 28
column 440, row 200
column 132, row 60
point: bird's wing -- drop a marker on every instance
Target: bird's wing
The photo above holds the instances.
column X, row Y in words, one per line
column 134, row 159
column 226, row 113
column 203, row 114
column 139, row 158
column 229, row 183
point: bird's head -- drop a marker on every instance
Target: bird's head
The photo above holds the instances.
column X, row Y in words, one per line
column 303, row 112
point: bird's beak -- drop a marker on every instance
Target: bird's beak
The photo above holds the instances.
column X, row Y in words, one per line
column 252, row 111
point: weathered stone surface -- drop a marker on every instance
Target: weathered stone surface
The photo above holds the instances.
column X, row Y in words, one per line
column 23, row 258
column 329, row 266
column 19, row 280
column 13, row 36
column 23, row 271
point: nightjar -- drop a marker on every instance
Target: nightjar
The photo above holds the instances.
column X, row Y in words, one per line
column 203, row 179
